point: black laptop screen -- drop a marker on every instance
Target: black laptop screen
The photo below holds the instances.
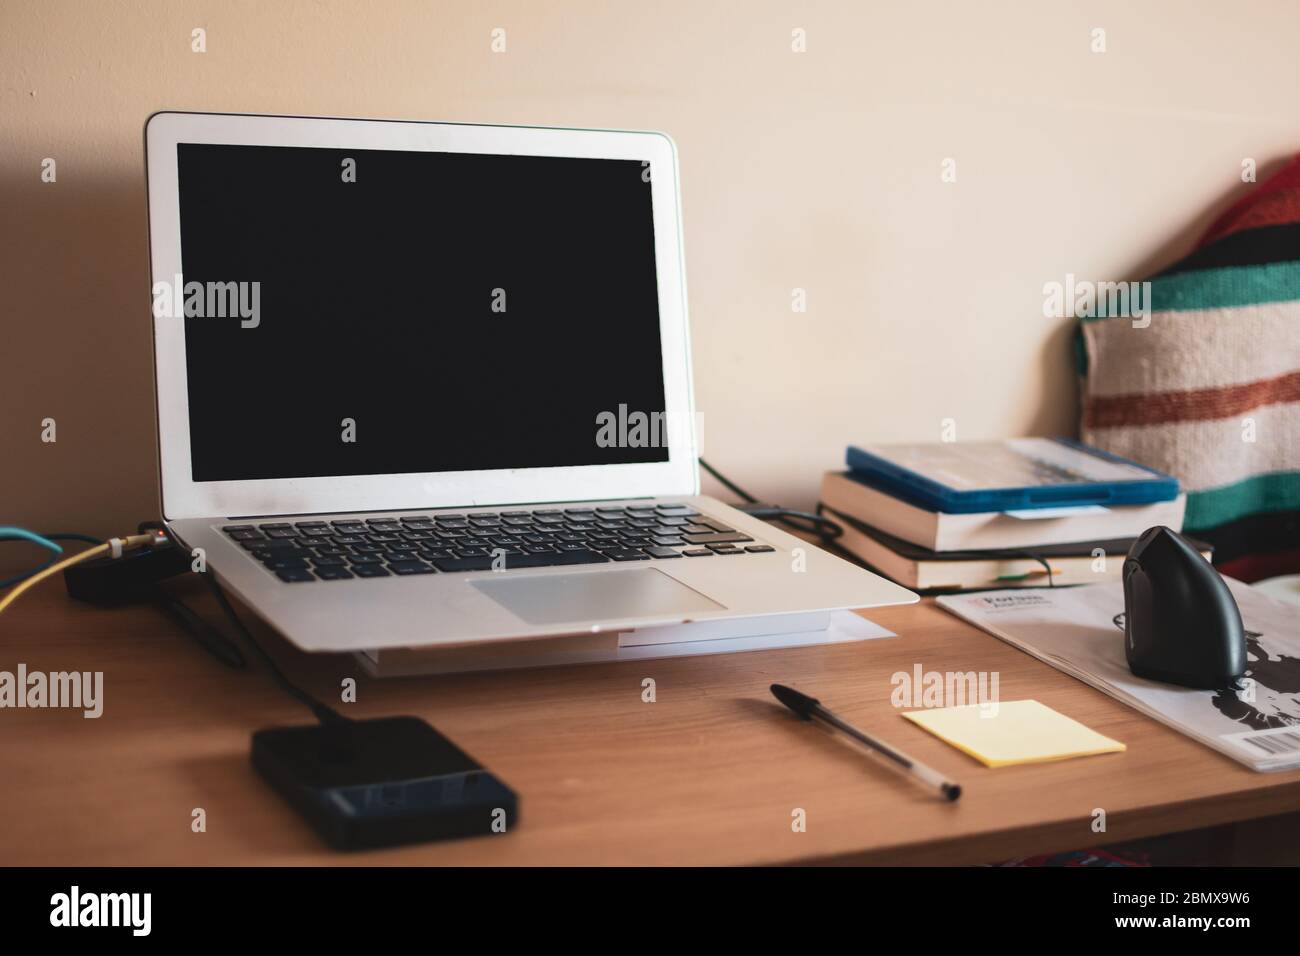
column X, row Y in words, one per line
column 366, row 312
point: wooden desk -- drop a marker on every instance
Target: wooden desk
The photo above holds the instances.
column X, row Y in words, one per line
column 708, row 774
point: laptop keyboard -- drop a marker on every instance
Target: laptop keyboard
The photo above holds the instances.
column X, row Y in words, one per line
column 485, row 541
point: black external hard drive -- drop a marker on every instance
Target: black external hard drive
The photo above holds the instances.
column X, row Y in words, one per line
column 383, row 782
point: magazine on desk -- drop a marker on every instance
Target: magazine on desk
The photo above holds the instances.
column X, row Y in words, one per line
column 1074, row 630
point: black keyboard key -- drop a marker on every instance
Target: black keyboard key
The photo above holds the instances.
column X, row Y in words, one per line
column 334, row 574
column 662, row 553
column 409, row 567
column 357, row 560
column 369, row 571
column 282, row 533
column 550, row 559
column 555, row 558
column 666, row 540
column 627, row 554
column 295, row 574
column 275, row 526
column 278, row 544
column 284, row 564
column 726, row 549
column 327, row 561
column 698, row 553
column 677, row 510
column 232, row 528
column 717, row 537
column 418, row 524
column 759, row 548
column 285, row 553
column 249, row 535
column 273, row 544
column 347, row 539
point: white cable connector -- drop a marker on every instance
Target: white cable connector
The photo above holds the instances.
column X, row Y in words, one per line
column 116, row 545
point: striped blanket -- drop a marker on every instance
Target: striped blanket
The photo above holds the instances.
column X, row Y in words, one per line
column 1210, row 391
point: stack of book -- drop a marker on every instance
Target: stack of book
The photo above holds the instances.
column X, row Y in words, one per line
column 1028, row 512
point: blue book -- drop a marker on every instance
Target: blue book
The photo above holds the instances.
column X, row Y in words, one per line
column 1017, row 474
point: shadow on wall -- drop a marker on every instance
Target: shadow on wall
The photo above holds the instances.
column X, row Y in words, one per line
column 77, row 350
column 1201, row 215
column 1179, row 243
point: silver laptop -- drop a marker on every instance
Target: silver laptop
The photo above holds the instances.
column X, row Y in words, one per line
column 427, row 384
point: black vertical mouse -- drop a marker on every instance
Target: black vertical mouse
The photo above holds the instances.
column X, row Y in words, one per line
column 1181, row 623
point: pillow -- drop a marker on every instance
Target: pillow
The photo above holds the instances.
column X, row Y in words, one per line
column 1209, row 390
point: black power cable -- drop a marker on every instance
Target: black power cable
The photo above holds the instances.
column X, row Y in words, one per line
column 805, row 521
column 324, row 713
column 828, row 530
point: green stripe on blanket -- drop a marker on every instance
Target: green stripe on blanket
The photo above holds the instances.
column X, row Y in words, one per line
column 1278, row 491
column 1227, row 288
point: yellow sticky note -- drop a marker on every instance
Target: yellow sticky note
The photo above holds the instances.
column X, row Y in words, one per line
column 1011, row 732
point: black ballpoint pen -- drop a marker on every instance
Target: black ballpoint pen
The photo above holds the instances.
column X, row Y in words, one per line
column 809, row 707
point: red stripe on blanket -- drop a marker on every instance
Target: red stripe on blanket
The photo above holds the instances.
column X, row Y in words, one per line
column 1258, row 567
column 1193, row 405
column 1274, row 202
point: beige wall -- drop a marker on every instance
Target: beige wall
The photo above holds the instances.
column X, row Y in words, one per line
column 818, row 170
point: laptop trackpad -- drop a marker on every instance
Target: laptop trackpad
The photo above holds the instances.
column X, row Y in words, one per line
column 603, row 596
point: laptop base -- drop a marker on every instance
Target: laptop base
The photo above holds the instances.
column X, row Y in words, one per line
column 682, row 640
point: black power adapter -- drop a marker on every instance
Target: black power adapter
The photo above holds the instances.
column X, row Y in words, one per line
column 130, row 579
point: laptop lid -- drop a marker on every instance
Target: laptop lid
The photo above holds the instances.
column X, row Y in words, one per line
column 372, row 315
